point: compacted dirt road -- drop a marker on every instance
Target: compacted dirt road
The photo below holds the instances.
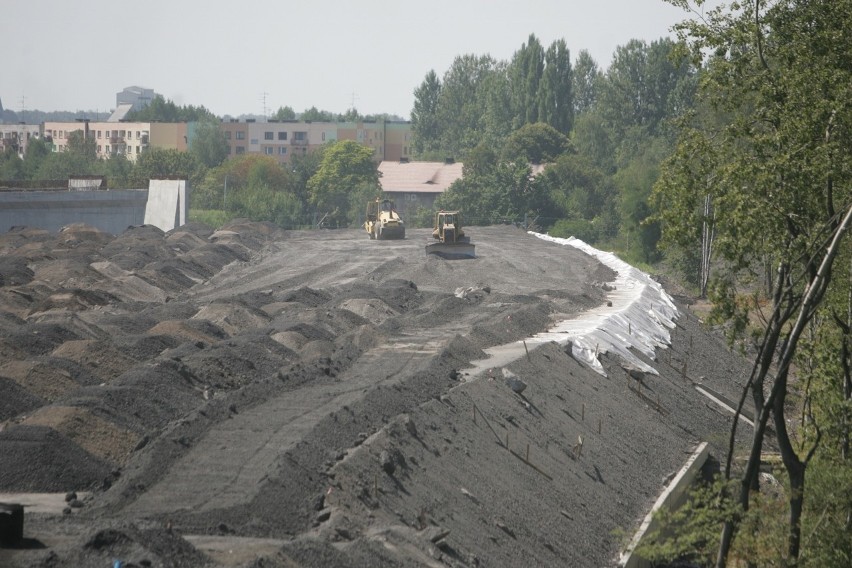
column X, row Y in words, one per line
column 256, row 397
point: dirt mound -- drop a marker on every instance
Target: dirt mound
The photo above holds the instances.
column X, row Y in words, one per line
column 14, row 271
column 312, row 387
column 37, row 458
column 99, row 437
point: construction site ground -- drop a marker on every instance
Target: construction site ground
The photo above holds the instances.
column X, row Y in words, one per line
column 267, row 398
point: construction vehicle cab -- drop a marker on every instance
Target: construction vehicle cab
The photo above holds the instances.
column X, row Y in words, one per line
column 452, row 242
column 382, row 220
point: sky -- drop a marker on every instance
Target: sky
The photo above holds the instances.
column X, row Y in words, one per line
column 240, row 57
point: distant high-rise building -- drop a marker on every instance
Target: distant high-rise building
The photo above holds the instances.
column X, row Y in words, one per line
column 139, row 97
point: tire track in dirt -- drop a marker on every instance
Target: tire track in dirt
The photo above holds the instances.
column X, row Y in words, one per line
column 227, row 467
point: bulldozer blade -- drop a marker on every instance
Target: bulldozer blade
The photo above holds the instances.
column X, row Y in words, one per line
column 452, row 251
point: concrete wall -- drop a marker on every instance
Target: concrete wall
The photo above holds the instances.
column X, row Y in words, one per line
column 163, row 204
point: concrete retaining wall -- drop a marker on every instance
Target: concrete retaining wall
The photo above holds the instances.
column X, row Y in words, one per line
column 673, row 497
column 164, row 204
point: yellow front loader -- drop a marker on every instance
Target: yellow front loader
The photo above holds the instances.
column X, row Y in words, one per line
column 383, row 222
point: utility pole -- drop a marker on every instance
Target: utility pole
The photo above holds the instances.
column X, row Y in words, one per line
column 263, row 98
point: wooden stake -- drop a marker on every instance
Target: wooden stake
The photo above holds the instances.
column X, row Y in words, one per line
column 507, row 440
column 599, row 425
column 527, row 350
column 528, row 452
column 376, row 485
column 583, row 412
column 474, row 414
column 628, row 329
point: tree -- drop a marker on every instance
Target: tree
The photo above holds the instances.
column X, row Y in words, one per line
column 461, row 104
column 585, row 77
column 424, row 116
column 159, row 163
column 555, row 93
column 284, row 113
column 159, row 109
column 536, row 144
column 11, row 166
column 346, row 177
column 208, row 143
column 778, row 74
column 38, row 150
column 525, row 74
column 313, row 114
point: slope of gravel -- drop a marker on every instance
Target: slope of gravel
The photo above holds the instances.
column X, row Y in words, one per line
column 310, row 387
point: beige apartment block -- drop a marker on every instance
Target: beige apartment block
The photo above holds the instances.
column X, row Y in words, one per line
column 120, row 138
column 284, row 139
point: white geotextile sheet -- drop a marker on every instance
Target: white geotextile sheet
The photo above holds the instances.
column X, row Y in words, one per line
column 640, row 317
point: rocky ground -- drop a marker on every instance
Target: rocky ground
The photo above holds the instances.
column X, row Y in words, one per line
column 266, row 398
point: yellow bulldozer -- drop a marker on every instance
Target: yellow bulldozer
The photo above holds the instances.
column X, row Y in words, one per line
column 383, row 222
column 452, row 242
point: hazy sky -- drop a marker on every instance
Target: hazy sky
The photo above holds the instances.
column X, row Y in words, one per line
column 243, row 56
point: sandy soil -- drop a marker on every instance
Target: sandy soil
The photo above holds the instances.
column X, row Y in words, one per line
column 255, row 397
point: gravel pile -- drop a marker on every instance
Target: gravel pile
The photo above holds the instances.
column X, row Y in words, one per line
column 310, row 387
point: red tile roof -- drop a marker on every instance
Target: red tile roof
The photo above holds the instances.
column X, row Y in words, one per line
column 420, row 177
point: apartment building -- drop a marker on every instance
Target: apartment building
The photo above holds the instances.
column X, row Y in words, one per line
column 285, row 139
column 17, row 136
column 279, row 139
column 126, row 138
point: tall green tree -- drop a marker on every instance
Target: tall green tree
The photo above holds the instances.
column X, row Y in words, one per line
column 779, row 74
column 424, row 116
column 461, row 104
column 525, row 73
column 556, row 89
column 585, row 77
column 208, row 143
column 346, row 178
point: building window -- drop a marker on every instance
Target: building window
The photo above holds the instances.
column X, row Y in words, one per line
column 253, row 141
column 268, row 150
column 99, row 134
column 241, row 150
column 227, row 135
column 241, row 135
column 269, row 136
column 282, row 149
column 99, row 147
column 282, row 136
column 412, row 197
column 107, row 148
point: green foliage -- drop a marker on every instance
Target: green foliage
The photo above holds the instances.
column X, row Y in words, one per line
column 38, row 150
column 213, row 218
column 586, row 79
column 208, row 143
column 11, row 166
column 159, row 163
column 262, row 202
column 424, row 116
column 346, row 177
column 313, row 114
column 582, row 196
column 536, row 144
column 118, row 171
column 284, row 113
column 162, row 110
column 583, row 229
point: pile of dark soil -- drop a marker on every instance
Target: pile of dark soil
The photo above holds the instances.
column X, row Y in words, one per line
column 310, row 387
